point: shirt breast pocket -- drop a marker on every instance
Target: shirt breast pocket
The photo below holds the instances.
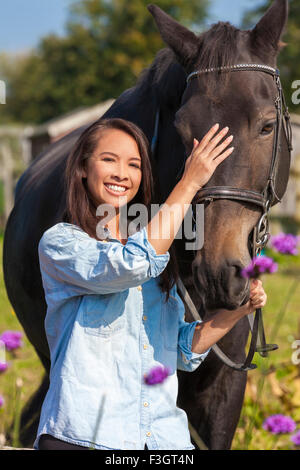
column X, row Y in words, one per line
column 105, row 316
column 169, row 324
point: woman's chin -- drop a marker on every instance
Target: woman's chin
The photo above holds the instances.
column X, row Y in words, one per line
column 114, row 201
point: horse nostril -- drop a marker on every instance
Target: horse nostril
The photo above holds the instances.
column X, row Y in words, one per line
column 236, row 284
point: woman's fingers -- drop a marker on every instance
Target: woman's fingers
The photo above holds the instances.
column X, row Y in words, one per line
column 261, row 302
column 200, row 165
column 256, row 286
column 211, row 146
column 220, row 149
column 255, row 283
column 258, row 297
column 207, row 138
column 223, row 156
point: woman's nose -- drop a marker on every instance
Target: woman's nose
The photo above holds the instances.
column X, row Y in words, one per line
column 121, row 172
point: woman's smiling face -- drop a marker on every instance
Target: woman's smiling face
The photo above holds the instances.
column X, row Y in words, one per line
column 115, row 165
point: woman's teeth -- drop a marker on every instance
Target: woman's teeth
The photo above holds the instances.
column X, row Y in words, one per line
column 120, row 189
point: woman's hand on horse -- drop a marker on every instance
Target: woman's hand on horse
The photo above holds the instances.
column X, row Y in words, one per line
column 206, row 156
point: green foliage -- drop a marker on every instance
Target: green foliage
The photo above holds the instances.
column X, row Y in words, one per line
column 106, row 46
column 24, row 367
column 289, row 58
column 274, row 387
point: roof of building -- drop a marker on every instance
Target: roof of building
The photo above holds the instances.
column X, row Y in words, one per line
column 72, row 120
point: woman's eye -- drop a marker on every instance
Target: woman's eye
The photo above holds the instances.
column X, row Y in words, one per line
column 107, row 159
column 135, row 166
column 268, row 128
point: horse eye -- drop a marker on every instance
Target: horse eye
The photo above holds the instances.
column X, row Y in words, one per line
column 268, row 128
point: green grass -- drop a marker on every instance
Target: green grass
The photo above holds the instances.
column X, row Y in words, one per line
column 274, row 387
column 24, row 363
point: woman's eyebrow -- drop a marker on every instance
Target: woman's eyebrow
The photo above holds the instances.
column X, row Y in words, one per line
column 117, row 156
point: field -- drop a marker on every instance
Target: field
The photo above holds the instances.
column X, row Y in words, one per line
column 274, row 387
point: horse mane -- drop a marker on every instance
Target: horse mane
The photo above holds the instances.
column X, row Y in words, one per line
column 217, row 48
column 165, row 77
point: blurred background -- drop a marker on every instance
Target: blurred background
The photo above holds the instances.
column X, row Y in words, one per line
column 63, row 62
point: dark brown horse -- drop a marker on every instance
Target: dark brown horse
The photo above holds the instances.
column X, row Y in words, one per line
column 212, row 395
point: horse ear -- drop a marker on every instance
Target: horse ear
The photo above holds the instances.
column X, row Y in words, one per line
column 181, row 40
column 268, row 31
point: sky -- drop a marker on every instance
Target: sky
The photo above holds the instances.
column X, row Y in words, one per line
column 24, row 22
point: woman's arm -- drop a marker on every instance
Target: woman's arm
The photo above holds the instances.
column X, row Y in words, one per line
column 210, row 331
column 200, row 166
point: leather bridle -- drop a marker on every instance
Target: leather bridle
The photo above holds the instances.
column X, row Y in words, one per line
column 268, row 196
column 264, row 200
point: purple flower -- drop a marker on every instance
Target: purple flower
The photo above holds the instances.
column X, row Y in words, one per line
column 157, row 375
column 279, row 424
column 11, row 339
column 3, row 366
column 259, row 265
column 1, row 401
column 296, row 439
column 285, row 243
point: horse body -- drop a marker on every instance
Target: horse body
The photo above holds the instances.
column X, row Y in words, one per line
column 213, row 395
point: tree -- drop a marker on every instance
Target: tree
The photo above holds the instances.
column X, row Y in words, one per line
column 107, row 45
column 289, row 57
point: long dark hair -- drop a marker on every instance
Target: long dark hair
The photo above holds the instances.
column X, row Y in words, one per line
column 80, row 208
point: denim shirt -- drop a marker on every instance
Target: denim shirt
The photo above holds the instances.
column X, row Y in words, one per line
column 107, row 325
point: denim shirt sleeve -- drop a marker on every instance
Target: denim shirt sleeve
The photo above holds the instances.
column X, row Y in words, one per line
column 186, row 359
column 70, row 256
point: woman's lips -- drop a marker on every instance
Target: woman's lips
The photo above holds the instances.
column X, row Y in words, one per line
column 115, row 193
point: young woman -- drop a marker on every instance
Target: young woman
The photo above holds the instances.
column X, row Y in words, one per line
column 113, row 311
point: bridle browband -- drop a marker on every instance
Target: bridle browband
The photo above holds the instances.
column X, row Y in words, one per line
column 264, row 200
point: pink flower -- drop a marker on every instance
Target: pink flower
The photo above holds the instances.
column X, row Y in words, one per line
column 296, row 439
column 285, row 243
column 11, row 339
column 1, row 401
column 279, row 424
column 157, row 375
column 3, row 366
column 259, row 265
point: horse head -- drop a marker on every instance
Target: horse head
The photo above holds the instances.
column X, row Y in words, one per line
column 245, row 102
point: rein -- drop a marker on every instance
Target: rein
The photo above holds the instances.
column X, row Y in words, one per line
column 264, row 200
